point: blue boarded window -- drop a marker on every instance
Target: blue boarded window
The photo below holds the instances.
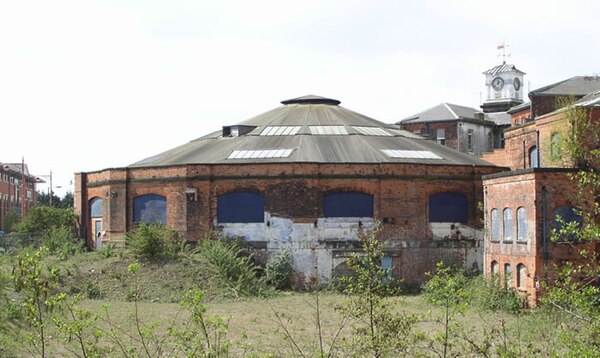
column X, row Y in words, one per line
column 348, row 205
column 566, row 216
column 150, row 209
column 240, row 207
column 96, row 207
column 448, row 207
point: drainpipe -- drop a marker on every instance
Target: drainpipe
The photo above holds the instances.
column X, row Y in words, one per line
column 544, row 225
column 538, row 149
column 524, row 156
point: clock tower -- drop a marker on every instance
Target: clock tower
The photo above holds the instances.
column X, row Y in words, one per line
column 504, row 87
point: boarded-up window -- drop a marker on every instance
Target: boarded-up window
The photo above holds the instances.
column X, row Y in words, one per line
column 507, row 275
column 495, row 224
column 566, row 221
column 150, row 209
column 495, row 268
column 96, row 207
column 522, row 224
column 448, row 207
column 521, row 276
column 533, row 157
column 348, row 205
column 240, row 207
column 508, row 225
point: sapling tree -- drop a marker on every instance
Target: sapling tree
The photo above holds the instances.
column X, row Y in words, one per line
column 378, row 330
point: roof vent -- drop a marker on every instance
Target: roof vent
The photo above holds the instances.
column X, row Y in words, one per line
column 311, row 99
column 236, row 131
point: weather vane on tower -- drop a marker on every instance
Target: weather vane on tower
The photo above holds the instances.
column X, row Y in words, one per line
column 502, row 51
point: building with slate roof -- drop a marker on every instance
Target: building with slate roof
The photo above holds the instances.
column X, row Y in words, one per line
column 522, row 206
column 306, row 176
column 462, row 128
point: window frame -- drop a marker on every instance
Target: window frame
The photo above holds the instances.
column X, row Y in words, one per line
column 505, row 238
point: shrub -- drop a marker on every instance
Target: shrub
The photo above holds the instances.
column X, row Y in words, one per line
column 43, row 218
column 62, row 242
column 491, row 294
column 233, row 268
column 156, row 241
column 279, row 270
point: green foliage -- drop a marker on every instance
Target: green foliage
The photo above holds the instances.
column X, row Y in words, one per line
column 11, row 220
column 204, row 335
column 62, row 242
column 491, row 294
column 37, row 286
column 379, row 330
column 447, row 287
column 43, row 199
column 279, row 270
column 43, row 218
column 233, row 268
column 155, row 242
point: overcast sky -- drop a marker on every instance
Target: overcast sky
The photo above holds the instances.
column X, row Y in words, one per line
column 88, row 85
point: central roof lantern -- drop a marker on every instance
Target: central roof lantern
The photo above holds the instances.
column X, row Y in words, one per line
column 312, row 99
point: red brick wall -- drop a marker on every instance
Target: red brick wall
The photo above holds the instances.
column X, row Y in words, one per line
column 431, row 128
column 295, row 191
column 518, row 143
column 540, row 192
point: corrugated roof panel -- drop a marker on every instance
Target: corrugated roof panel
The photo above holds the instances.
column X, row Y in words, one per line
column 417, row 154
column 328, row 130
column 372, row 131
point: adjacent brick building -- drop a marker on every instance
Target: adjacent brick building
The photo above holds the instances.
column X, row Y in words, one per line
column 17, row 191
column 305, row 176
column 522, row 205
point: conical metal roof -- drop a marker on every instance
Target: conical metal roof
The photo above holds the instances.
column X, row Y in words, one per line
column 310, row 129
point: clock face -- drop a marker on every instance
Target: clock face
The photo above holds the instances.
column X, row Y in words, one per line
column 517, row 84
column 498, row 83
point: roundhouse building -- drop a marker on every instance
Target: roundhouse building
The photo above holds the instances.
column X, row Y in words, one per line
column 305, row 176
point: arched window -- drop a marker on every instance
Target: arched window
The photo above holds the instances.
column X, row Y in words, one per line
column 521, row 224
column 566, row 218
column 241, row 207
column 96, row 207
column 448, row 207
column 507, row 224
column 533, row 157
column 150, row 209
column 521, row 276
column 507, row 274
column 555, row 145
column 348, row 205
column 495, row 268
column 495, row 225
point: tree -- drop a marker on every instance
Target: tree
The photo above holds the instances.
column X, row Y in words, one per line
column 43, row 218
column 575, row 291
column 380, row 331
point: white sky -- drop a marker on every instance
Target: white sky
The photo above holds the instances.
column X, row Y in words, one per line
column 88, row 85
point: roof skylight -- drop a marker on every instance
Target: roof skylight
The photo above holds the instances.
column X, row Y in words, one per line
column 416, row 154
column 260, row 154
column 328, row 130
column 280, row 130
column 372, row 131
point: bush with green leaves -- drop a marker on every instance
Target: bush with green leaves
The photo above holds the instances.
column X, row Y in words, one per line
column 155, row 242
column 44, row 218
column 62, row 242
column 379, row 331
column 490, row 293
column 233, row 268
column 279, row 270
